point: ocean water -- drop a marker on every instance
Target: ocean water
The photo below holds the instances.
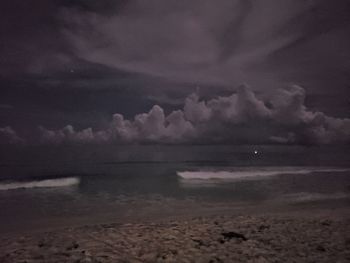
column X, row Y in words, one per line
column 48, row 186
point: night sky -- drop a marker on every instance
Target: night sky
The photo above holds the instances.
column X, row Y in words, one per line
column 155, row 71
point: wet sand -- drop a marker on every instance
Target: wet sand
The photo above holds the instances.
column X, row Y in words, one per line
column 308, row 236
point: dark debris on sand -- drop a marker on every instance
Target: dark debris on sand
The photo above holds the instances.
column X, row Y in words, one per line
column 211, row 239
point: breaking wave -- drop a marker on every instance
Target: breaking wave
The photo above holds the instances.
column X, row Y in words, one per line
column 47, row 183
column 241, row 174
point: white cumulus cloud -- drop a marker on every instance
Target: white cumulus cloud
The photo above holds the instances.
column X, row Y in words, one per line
column 241, row 117
column 9, row 136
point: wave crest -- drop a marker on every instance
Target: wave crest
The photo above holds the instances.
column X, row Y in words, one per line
column 253, row 173
column 48, row 183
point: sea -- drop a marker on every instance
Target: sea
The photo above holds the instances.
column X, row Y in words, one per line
column 48, row 186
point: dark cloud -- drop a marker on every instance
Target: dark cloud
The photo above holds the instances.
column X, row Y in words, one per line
column 190, row 41
column 30, row 40
column 224, row 42
column 6, row 107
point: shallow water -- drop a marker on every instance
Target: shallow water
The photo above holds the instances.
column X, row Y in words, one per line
column 40, row 185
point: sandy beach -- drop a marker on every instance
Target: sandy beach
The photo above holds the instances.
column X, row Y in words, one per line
column 278, row 237
column 197, row 131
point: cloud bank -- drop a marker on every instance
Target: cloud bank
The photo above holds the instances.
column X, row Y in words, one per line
column 241, row 118
column 9, row 136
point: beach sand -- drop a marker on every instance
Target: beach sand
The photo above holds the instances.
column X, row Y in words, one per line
column 275, row 237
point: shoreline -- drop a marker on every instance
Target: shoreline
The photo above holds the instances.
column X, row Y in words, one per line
column 145, row 211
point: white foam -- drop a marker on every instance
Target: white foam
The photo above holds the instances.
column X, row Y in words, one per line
column 253, row 173
column 60, row 182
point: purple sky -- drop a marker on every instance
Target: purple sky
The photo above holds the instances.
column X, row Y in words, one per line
column 78, row 63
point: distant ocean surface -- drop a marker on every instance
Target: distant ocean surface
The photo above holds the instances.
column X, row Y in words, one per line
column 43, row 185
